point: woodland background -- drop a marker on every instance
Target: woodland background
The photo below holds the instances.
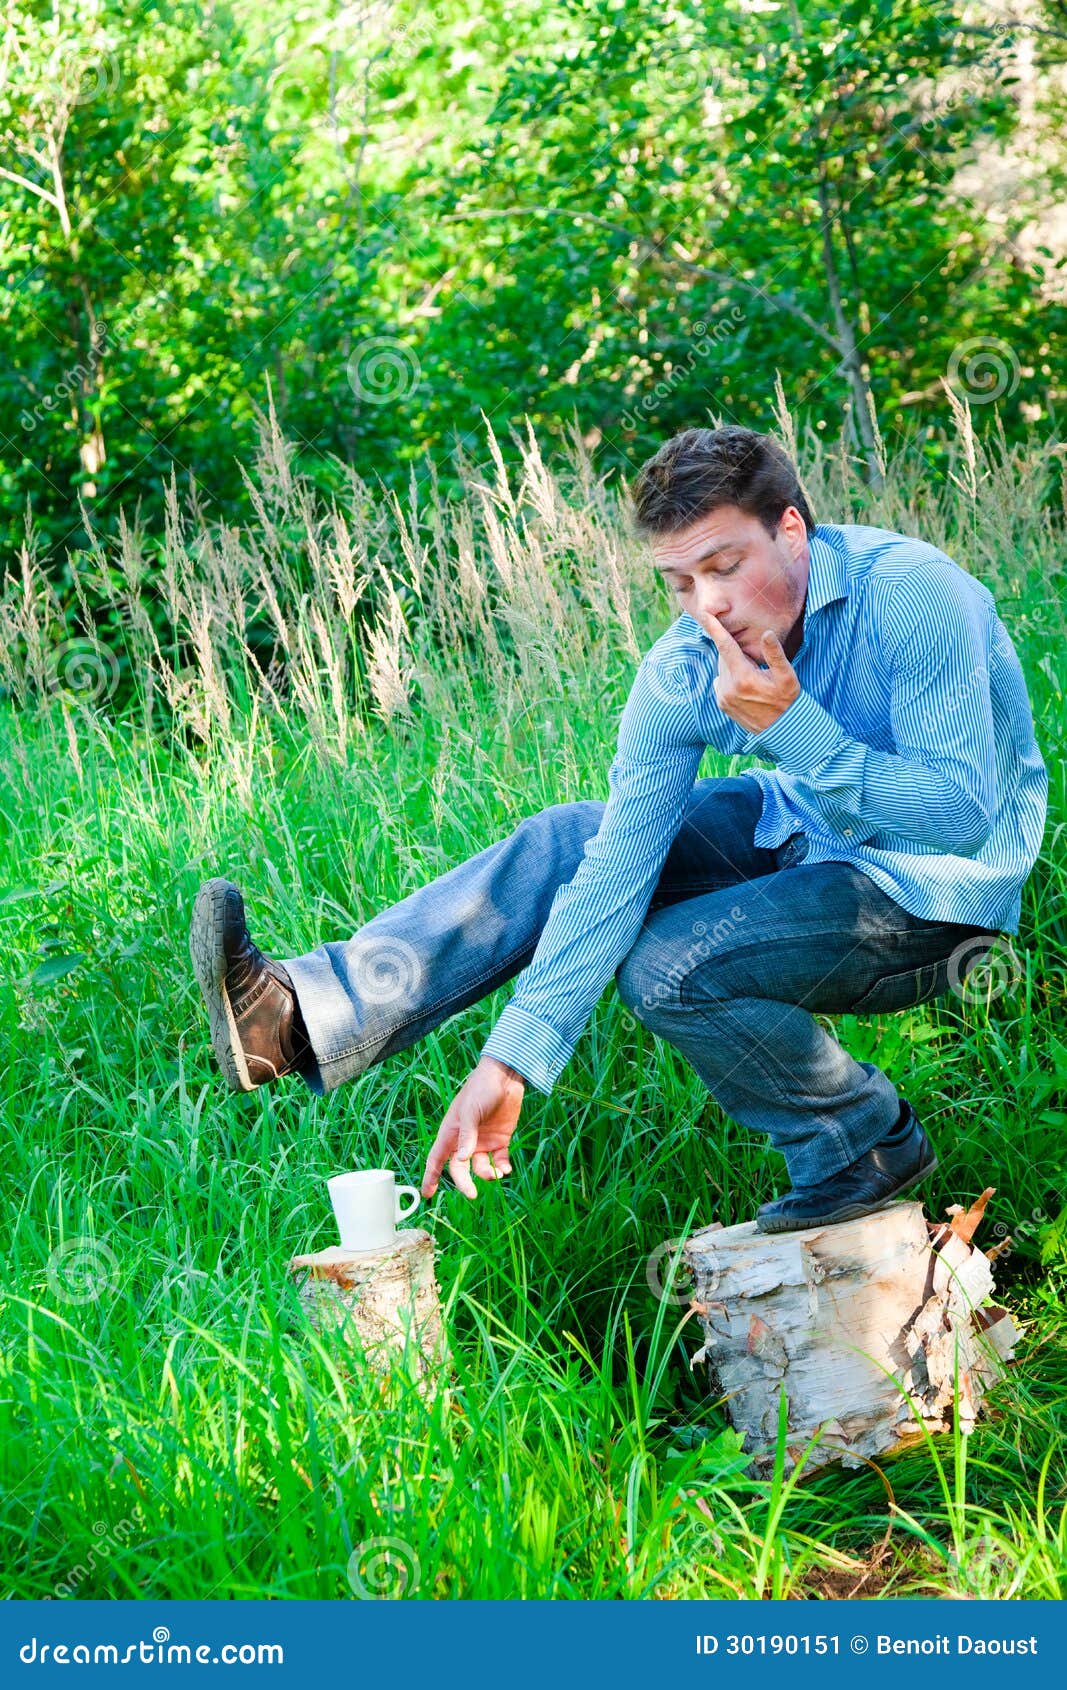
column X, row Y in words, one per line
column 612, row 216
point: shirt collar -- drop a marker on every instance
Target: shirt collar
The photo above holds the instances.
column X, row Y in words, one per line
column 827, row 576
column 827, row 570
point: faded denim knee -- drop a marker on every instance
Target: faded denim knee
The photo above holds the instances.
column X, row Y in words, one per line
column 566, row 826
column 649, row 977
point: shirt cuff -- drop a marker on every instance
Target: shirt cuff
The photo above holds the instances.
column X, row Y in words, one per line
column 803, row 736
column 529, row 1045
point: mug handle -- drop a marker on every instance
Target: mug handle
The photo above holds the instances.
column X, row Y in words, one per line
column 402, row 1214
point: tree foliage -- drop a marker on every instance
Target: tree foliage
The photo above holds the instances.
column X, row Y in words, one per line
column 393, row 220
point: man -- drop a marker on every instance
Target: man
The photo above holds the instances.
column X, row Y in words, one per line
column 868, row 870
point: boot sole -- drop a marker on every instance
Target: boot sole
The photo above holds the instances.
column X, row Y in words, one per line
column 209, row 965
column 850, row 1211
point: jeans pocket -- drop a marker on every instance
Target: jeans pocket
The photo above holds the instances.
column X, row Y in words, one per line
column 904, row 989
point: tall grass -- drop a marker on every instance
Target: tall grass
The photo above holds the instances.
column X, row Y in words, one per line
column 332, row 705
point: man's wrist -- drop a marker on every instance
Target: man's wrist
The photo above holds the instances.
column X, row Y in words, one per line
column 511, row 1073
column 803, row 736
column 521, row 1037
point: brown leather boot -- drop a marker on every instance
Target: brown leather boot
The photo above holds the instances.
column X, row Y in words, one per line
column 256, row 1026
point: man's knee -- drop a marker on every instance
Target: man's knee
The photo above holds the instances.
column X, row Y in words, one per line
column 565, row 827
column 645, row 979
column 663, row 960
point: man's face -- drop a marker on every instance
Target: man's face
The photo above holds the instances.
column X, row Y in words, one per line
column 728, row 564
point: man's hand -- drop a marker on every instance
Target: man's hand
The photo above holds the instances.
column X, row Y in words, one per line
column 477, row 1128
column 752, row 696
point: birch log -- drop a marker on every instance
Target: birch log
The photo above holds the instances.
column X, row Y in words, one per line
column 383, row 1298
column 868, row 1324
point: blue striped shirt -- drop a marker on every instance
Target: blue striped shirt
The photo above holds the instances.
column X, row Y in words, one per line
column 909, row 753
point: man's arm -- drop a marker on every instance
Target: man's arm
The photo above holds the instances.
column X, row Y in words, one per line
column 939, row 787
column 595, row 919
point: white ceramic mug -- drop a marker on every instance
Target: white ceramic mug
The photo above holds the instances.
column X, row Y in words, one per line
column 366, row 1205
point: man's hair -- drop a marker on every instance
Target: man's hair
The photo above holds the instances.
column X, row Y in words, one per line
column 702, row 468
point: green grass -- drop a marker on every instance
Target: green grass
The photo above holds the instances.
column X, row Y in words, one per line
column 169, row 1424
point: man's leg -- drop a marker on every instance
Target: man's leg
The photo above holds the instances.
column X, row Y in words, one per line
column 733, row 979
column 438, row 950
column 333, row 1012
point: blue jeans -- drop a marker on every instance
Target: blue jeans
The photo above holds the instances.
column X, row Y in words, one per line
column 740, row 949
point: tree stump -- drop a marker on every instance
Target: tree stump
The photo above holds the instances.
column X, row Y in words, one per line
column 861, row 1322
column 385, row 1298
